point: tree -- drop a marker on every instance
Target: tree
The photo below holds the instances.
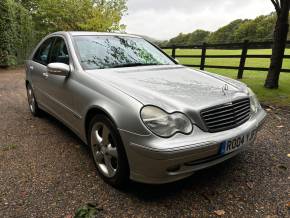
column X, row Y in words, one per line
column 75, row 15
column 105, row 16
column 280, row 37
column 16, row 33
column 30, row 5
column 181, row 39
column 259, row 29
column 226, row 33
column 198, row 37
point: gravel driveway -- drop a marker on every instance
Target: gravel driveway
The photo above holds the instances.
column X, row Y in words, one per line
column 46, row 171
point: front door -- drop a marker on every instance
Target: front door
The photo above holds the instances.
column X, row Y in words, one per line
column 59, row 89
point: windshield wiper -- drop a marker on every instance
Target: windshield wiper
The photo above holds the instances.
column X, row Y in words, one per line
column 134, row 65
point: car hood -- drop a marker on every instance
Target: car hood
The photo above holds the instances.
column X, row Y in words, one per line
column 172, row 87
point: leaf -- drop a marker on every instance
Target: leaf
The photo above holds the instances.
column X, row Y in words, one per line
column 88, row 211
column 219, row 212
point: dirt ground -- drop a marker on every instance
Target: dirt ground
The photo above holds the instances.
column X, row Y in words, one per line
column 46, row 171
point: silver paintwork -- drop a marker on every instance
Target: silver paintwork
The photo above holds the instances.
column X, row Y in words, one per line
column 121, row 93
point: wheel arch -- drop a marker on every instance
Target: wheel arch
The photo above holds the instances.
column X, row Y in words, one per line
column 124, row 177
column 93, row 111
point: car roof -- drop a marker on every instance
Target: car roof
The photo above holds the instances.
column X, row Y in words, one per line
column 87, row 33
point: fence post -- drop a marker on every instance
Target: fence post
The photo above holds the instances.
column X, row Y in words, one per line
column 243, row 59
column 173, row 52
column 203, row 53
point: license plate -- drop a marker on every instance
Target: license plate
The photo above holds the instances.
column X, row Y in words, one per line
column 237, row 142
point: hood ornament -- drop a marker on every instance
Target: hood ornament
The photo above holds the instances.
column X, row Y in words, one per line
column 225, row 88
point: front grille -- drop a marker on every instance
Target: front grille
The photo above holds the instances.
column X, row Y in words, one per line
column 226, row 116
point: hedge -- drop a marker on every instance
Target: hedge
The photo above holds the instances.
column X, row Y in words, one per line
column 16, row 33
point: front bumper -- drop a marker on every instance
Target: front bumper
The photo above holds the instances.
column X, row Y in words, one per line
column 157, row 160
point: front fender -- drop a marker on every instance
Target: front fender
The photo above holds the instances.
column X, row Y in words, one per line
column 122, row 109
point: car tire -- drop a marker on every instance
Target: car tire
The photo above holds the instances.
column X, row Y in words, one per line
column 32, row 103
column 108, row 151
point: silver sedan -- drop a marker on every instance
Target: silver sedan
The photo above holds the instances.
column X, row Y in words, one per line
column 144, row 116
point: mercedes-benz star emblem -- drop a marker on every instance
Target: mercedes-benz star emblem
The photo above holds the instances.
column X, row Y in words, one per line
column 225, row 88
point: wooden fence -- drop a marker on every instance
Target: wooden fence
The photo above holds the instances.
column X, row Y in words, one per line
column 228, row 46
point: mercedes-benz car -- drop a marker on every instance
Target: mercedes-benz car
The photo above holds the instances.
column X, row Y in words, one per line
column 144, row 116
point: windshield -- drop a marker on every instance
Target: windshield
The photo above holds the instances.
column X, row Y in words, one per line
column 99, row 52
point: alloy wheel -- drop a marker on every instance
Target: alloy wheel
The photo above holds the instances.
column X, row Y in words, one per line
column 104, row 151
column 31, row 99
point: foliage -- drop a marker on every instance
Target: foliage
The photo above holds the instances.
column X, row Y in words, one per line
column 88, row 211
column 24, row 22
column 16, row 32
column 196, row 37
column 30, row 5
column 259, row 29
column 226, row 33
column 77, row 15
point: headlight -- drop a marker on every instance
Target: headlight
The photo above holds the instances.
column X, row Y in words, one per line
column 255, row 105
column 164, row 124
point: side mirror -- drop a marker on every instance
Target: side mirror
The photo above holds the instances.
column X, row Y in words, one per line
column 59, row 69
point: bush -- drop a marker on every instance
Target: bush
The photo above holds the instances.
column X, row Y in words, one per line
column 16, row 33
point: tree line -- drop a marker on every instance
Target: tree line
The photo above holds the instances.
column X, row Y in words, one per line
column 258, row 29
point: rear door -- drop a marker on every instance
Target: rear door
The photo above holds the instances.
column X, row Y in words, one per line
column 38, row 70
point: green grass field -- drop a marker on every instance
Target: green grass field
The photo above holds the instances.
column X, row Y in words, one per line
column 254, row 79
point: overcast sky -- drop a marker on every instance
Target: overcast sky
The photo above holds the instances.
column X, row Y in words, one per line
column 164, row 19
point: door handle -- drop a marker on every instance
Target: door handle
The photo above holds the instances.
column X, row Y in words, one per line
column 45, row 75
column 31, row 67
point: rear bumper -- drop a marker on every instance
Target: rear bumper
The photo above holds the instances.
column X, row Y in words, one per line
column 152, row 162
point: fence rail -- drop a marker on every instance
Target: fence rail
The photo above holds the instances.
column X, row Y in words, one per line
column 244, row 46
